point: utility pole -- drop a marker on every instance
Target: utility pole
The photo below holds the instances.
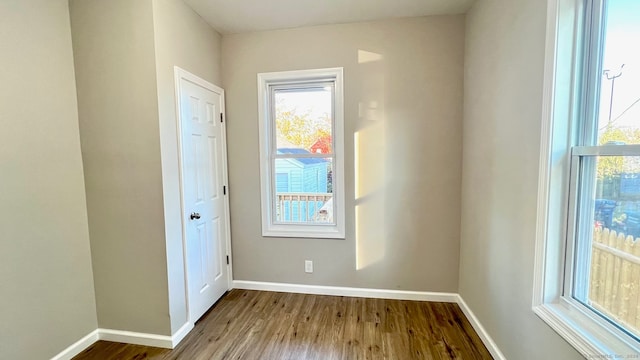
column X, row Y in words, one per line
column 612, row 76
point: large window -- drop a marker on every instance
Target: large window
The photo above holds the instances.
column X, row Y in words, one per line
column 589, row 257
column 606, row 180
column 301, row 153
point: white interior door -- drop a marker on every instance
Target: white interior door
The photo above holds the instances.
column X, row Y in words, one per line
column 204, row 192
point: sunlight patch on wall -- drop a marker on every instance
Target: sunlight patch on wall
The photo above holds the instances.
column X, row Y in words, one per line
column 367, row 56
column 370, row 159
column 370, row 175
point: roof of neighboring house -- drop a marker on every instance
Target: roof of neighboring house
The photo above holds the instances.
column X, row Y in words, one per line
column 305, row 161
column 322, row 145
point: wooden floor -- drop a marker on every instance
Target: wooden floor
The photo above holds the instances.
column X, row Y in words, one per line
column 267, row 325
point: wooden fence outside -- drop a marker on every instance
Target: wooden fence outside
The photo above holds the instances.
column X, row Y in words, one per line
column 615, row 277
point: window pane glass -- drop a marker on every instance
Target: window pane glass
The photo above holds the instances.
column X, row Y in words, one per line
column 619, row 115
column 608, row 251
column 303, row 119
column 304, row 191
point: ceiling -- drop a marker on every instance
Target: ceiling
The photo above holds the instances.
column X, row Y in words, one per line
column 236, row 16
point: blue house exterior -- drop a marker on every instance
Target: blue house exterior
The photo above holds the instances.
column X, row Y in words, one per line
column 300, row 175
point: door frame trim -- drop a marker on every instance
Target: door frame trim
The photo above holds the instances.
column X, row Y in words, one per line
column 180, row 74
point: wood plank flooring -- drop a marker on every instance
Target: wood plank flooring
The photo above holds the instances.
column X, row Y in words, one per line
column 252, row 325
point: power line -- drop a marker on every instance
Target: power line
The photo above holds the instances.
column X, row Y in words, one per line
column 621, row 114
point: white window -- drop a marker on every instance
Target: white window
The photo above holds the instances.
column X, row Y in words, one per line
column 587, row 284
column 302, row 141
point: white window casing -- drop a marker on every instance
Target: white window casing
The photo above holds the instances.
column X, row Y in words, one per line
column 563, row 109
column 267, row 82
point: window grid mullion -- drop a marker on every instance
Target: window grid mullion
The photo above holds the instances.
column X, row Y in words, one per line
column 303, row 156
column 606, row 150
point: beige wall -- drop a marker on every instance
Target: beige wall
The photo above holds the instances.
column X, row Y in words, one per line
column 403, row 102
column 182, row 39
column 46, row 286
column 504, row 58
column 118, row 108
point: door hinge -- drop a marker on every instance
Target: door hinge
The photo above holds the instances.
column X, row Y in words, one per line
column 224, row 190
column 221, row 117
column 227, row 259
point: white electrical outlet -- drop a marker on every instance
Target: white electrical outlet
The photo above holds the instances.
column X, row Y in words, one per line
column 308, row 266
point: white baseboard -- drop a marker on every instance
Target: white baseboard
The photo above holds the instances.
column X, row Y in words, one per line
column 130, row 337
column 477, row 326
column 171, row 342
column 181, row 333
column 346, row 291
column 127, row 337
column 77, row 347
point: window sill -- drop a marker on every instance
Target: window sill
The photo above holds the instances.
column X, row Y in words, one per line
column 302, row 231
column 584, row 333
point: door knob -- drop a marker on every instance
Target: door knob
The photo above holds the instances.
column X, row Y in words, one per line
column 195, row 215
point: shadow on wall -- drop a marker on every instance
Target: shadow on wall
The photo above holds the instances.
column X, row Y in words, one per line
column 370, row 163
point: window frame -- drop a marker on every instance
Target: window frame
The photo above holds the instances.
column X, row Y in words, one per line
column 277, row 80
column 568, row 97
